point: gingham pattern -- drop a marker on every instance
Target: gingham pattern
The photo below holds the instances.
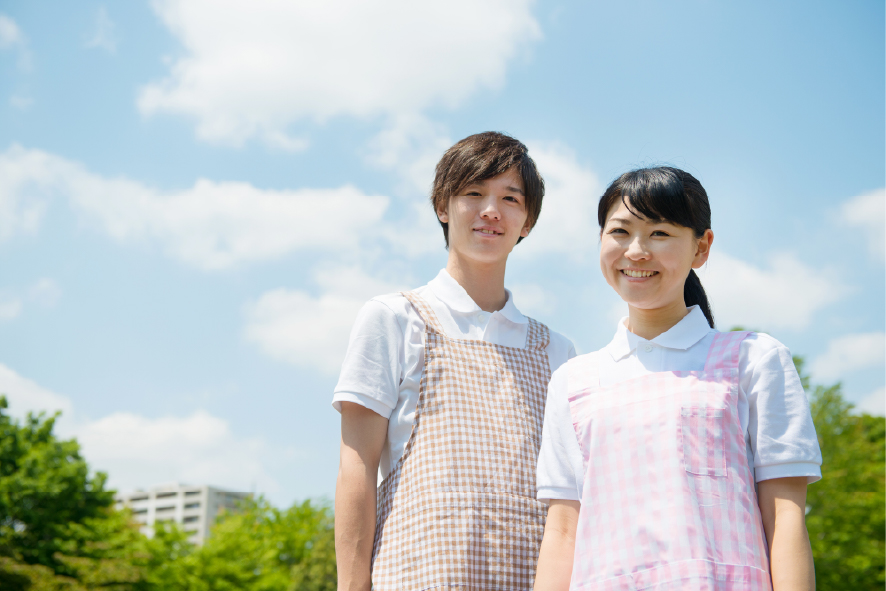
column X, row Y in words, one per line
column 669, row 499
column 459, row 509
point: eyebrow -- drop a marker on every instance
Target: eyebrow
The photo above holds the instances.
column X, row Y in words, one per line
column 622, row 220
column 515, row 190
column 509, row 189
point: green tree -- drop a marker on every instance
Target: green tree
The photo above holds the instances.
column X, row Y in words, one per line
column 846, row 516
column 58, row 527
column 259, row 548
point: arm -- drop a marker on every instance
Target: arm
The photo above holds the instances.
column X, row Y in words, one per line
column 783, row 508
column 557, row 547
column 363, row 433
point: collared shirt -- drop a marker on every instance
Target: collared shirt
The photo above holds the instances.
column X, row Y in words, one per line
column 385, row 358
column 772, row 406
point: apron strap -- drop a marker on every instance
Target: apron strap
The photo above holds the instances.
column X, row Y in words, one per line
column 724, row 351
column 425, row 312
column 538, row 335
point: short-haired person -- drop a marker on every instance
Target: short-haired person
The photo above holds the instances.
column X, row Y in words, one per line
column 676, row 457
column 443, row 390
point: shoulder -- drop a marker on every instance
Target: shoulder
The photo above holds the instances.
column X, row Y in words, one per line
column 757, row 347
column 579, row 372
column 763, row 359
column 559, row 347
column 385, row 312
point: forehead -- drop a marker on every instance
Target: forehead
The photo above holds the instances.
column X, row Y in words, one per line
column 620, row 214
column 511, row 177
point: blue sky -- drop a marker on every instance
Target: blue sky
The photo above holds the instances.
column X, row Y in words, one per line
column 196, row 196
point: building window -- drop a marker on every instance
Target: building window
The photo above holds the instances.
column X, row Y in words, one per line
column 139, row 498
column 192, row 506
column 139, row 511
column 166, row 495
column 190, row 493
column 191, row 519
column 165, row 509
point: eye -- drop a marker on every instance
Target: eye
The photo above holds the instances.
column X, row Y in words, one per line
column 512, row 198
column 660, row 233
column 618, row 231
column 473, row 193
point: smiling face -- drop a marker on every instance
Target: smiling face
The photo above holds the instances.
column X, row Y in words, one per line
column 486, row 218
column 646, row 262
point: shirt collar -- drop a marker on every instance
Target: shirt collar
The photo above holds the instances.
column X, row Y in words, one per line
column 454, row 296
column 683, row 335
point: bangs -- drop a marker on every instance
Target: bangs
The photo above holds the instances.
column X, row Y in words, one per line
column 658, row 195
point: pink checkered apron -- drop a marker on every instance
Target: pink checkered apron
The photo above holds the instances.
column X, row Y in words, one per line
column 669, row 500
column 459, row 508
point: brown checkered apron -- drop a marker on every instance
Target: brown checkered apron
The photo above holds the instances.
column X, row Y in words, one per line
column 459, row 508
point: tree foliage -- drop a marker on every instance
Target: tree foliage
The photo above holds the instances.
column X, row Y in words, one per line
column 59, row 531
column 260, row 548
column 846, row 515
column 58, row 528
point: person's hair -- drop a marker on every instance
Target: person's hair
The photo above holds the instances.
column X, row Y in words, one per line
column 480, row 157
column 665, row 194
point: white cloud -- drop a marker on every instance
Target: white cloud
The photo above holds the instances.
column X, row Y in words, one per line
column 21, row 203
column 10, row 306
column 568, row 222
column 849, row 353
column 212, row 225
column 868, row 212
column 105, row 35
column 281, row 141
column 26, row 396
column 874, row 403
column 252, row 68
column 45, row 292
column 785, row 294
column 410, row 145
column 12, row 301
column 10, row 34
column 297, row 328
column 22, row 103
column 139, row 452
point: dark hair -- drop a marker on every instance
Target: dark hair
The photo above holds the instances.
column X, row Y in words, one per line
column 668, row 194
column 480, row 157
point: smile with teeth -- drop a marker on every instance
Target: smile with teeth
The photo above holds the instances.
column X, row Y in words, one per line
column 632, row 273
column 490, row 232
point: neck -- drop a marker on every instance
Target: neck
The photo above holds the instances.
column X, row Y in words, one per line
column 648, row 324
column 485, row 283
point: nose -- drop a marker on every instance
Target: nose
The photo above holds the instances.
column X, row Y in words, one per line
column 637, row 250
column 489, row 209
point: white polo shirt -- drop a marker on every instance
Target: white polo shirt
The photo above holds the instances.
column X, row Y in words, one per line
column 383, row 366
column 772, row 405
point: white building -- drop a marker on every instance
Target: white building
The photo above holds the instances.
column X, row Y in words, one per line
column 194, row 508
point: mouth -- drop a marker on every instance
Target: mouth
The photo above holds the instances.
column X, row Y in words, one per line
column 637, row 274
column 488, row 231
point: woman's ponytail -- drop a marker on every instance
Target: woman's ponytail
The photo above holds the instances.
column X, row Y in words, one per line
column 694, row 295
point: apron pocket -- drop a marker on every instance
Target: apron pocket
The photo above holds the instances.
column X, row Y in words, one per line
column 703, row 440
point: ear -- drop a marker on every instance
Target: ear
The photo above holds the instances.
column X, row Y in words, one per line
column 443, row 213
column 527, row 227
column 703, row 249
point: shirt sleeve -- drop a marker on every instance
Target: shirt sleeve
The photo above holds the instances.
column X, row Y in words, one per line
column 372, row 369
column 559, row 459
column 780, row 428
